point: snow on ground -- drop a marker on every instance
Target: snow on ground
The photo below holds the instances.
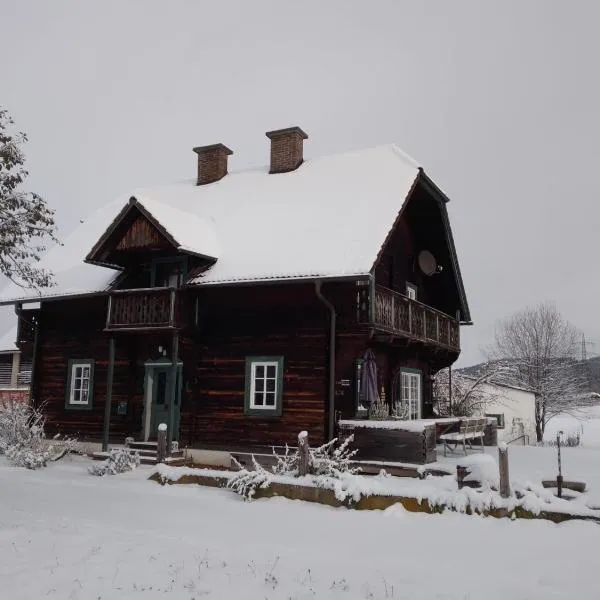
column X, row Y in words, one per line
column 67, row 535
column 585, row 423
column 529, row 465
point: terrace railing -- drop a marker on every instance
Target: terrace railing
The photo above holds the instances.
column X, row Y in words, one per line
column 395, row 313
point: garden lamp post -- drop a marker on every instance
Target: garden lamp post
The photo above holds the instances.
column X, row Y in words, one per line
column 559, row 477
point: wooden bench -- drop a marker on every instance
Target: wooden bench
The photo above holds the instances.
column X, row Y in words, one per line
column 470, row 429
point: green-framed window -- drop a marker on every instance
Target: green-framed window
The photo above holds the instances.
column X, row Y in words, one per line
column 80, row 384
column 264, row 386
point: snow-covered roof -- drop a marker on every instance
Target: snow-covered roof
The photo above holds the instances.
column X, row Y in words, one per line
column 328, row 218
column 188, row 232
column 495, row 383
column 8, row 341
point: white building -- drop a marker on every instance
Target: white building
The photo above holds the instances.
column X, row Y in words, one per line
column 515, row 409
column 15, row 373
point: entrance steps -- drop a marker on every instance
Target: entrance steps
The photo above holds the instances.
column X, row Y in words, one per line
column 147, row 452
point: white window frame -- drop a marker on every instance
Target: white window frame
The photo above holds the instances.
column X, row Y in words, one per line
column 411, row 393
column 88, row 389
column 253, row 391
column 411, row 290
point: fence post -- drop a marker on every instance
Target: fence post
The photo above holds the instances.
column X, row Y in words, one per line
column 461, row 473
column 303, row 451
column 503, row 464
column 161, row 446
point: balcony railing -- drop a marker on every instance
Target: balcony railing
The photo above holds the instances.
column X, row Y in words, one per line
column 141, row 309
column 397, row 314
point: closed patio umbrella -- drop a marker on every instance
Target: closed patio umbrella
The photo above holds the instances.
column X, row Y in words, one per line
column 369, row 379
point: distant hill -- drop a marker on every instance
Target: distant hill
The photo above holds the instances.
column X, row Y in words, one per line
column 593, row 367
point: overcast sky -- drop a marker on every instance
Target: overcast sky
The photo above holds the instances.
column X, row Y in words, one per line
column 498, row 100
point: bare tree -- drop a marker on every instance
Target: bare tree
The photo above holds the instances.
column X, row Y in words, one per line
column 539, row 350
column 25, row 219
column 464, row 396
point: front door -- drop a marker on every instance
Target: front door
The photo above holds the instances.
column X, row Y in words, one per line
column 156, row 399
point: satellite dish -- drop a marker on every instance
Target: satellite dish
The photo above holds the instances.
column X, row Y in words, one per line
column 427, row 262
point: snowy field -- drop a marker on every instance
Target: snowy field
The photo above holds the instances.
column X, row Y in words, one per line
column 585, row 423
column 67, row 535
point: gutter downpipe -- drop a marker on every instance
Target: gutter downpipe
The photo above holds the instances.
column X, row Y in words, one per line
column 332, row 329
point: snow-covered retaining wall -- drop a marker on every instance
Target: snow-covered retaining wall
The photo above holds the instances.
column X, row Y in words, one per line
column 393, row 441
column 435, row 495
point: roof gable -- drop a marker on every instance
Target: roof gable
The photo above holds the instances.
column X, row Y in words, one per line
column 143, row 225
column 422, row 223
column 131, row 231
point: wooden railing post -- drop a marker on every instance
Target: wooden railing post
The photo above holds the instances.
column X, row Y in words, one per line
column 304, row 454
column 424, row 324
column 172, row 390
column 503, row 464
column 410, row 325
column 458, row 328
column 161, row 445
column 437, row 327
column 108, row 396
column 108, row 312
column 172, row 310
column 393, row 305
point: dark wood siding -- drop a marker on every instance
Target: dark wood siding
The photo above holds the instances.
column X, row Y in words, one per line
column 141, row 234
column 283, row 321
column 233, row 323
column 419, row 228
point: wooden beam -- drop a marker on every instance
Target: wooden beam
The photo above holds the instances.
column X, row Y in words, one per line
column 109, row 386
column 172, row 390
column 14, row 375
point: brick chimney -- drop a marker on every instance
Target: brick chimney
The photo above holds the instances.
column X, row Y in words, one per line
column 286, row 149
column 212, row 163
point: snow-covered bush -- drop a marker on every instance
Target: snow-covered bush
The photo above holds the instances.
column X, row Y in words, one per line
column 118, row 461
column 30, row 457
column 22, row 437
column 245, row 482
column 328, row 461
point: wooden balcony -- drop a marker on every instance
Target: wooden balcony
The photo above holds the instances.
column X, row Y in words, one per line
column 142, row 309
column 396, row 314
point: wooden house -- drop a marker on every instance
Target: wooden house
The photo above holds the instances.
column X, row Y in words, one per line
column 236, row 307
